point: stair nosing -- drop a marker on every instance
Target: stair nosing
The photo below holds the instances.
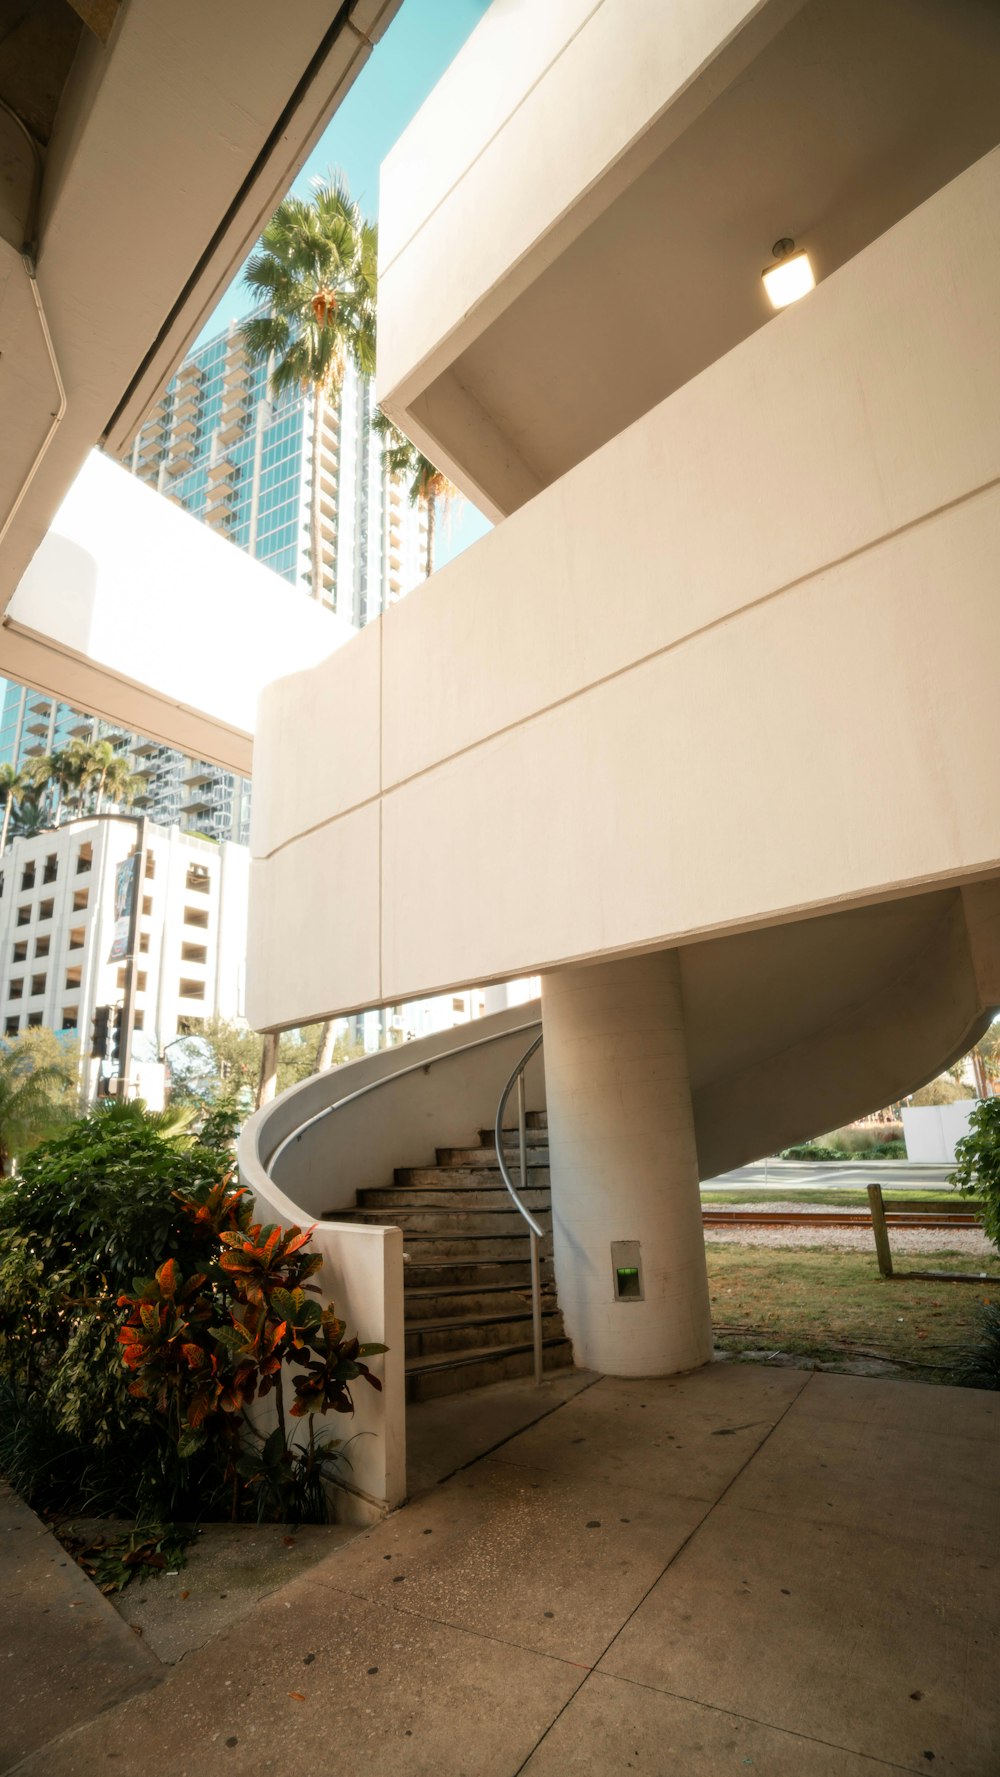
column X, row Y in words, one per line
column 475, row 1320
column 457, row 1360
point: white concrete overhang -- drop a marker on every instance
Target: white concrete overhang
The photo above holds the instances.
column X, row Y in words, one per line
column 575, row 223
column 732, row 670
column 133, row 610
column 171, row 144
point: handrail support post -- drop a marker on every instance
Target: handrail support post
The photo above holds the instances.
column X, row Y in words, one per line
column 536, row 1305
column 536, row 1283
column 535, row 1229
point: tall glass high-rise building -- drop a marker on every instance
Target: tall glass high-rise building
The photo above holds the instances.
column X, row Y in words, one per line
column 220, row 445
column 32, row 723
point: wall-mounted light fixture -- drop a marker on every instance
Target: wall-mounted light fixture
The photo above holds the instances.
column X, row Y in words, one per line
column 791, row 275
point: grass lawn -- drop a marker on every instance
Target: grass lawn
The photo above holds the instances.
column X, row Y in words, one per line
column 815, row 1303
column 847, row 1197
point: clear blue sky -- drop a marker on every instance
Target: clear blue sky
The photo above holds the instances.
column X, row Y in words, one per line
column 423, row 39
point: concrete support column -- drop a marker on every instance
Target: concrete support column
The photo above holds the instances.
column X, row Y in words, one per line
column 625, row 1167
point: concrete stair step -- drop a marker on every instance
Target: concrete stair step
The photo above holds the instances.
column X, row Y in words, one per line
column 536, row 1156
column 445, row 1248
column 427, row 1378
column 447, row 1300
column 534, row 1138
column 431, row 1338
column 461, row 1178
column 424, row 1271
column 386, row 1198
column 503, row 1219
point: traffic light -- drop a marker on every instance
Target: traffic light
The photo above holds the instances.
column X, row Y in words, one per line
column 116, row 1035
column 99, row 1038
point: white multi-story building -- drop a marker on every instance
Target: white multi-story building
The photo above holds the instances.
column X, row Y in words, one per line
column 60, row 916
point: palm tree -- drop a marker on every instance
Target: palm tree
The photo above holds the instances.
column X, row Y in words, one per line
column 427, row 485
column 105, row 772
column 11, row 785
column 62, row 771
column 30, row 819
column 28, row 1108
column 314, row 272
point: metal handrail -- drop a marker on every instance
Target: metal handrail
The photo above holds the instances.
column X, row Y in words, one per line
column 387, row 1079
column 535, row 1232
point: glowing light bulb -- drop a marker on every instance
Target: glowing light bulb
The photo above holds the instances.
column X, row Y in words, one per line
column 790, row 277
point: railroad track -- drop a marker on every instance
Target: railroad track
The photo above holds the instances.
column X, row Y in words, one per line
column 856, row 1218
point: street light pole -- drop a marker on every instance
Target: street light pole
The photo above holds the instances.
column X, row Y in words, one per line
column 131, row 962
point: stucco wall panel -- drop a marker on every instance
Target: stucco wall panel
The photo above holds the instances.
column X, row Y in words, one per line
column 337, row 702
column 313, row 940
column 823, row 747
column 849, row 416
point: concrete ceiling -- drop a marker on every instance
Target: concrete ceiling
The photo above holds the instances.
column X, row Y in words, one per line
column 753, row 994
column 850, row 117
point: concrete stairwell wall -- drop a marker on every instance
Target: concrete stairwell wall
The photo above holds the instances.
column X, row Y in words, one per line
column 733, row 669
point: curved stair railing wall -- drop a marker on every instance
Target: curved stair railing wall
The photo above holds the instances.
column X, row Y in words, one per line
column 307, row 1155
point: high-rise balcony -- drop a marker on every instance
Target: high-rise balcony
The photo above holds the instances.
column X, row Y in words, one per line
column 151, row 443
column 182, row 457
column 232, row 421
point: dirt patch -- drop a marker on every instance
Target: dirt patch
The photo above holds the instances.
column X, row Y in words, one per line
column 228, row 1569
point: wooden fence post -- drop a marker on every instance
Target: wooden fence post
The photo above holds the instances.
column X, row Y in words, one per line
column 881, row 1231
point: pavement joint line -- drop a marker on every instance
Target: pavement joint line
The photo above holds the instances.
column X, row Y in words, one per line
column 410, row 1610
column 481, row 1455
column 757, row 1721
column 674, row 1557
column 152, row 1683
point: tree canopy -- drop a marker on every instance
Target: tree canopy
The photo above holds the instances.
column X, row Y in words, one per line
column 39, row 1092
column 222, row 1063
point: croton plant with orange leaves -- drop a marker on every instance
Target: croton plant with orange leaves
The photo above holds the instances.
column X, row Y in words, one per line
column 203, row 1348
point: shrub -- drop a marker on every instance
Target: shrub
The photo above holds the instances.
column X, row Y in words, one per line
column 943, row 1090
column 83, row 1217
column 981, row 1366
column 977, row 1157
column 862, row 1141
column 124, row 1194
column 811, row 1150
column 877, row 1141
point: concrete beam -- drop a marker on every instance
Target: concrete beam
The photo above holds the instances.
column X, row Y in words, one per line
column 133, row 610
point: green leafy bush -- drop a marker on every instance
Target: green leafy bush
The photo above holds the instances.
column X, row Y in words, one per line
column 128, row 1391
column 811, row 1150
column 977, row 1169
column 86, row 1212
column 851, row 1144
column 981, row 1367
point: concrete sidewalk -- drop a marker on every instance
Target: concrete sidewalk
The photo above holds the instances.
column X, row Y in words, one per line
column 783, row 1572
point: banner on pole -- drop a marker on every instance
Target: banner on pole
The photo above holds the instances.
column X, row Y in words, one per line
column 125, row 874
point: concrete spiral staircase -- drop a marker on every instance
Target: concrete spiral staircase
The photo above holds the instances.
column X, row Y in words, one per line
column 467, row 1285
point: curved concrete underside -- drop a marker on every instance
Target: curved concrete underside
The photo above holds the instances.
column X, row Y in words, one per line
column 790, row 1032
